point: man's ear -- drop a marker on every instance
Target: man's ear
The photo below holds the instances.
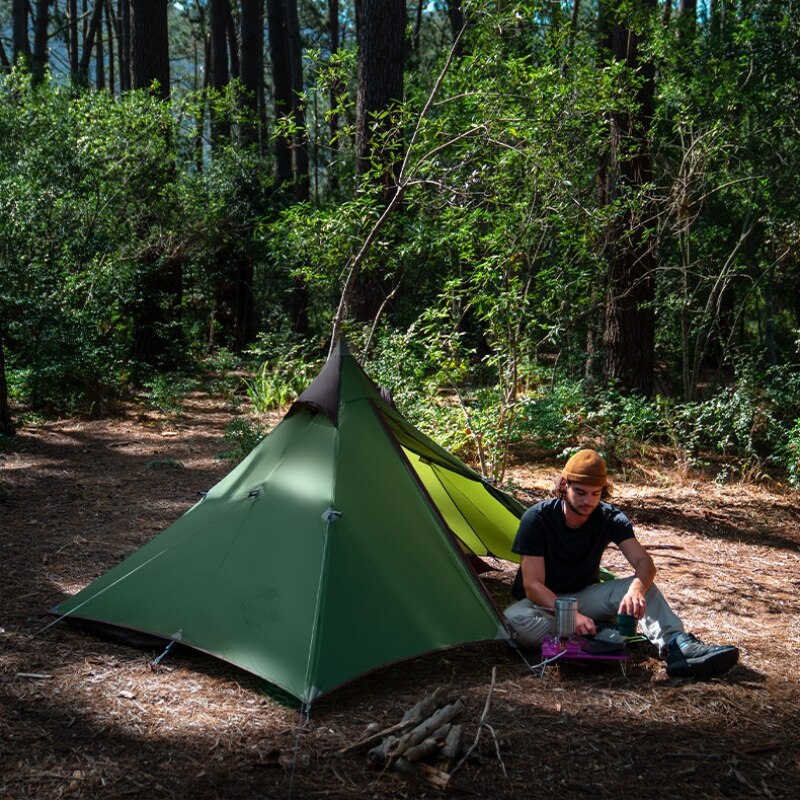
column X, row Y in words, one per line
column 562, row 484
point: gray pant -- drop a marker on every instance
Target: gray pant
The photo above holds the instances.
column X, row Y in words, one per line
column 600, row 602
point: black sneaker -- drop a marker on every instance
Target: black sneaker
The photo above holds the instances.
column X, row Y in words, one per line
column 688, row 657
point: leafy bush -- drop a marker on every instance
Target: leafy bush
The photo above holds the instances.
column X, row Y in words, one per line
column 553, row 419
column 166, row 391
column 287, row 370
column 242, row 435
column 626, row 422
column 791, row 454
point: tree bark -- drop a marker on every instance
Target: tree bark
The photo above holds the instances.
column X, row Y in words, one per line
column 277, row 23
column 300, row 136
column 6, row 422
column 156, row 314
column 335, row 93
column 380, row 30
column 381, row 51
column 233, row 43
column 124, row 15
column 160, row 279
column 252, row 34
column 629, row 337
column 291, row 153
column 4, row 62
column 455, row 12
column 150, row 46
column 88, row 42
column 74, row 41
column 39, row 57
column 688, row 12
column 20, row 43
column 110, row 36
column 99, row 52
column 219, row 11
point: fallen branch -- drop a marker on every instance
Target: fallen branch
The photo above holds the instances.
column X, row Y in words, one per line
column 481, row 725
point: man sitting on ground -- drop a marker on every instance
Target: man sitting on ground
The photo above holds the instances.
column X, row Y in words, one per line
column 561, row 542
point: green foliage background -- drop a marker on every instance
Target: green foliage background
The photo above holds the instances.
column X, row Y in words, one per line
column 493, row 267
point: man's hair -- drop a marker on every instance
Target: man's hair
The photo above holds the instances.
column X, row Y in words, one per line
column 559, row 490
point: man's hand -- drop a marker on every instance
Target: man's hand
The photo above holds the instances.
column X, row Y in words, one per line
column 633, row 603
column 584, row 625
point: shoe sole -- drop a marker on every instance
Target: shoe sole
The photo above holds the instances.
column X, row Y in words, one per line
column 712, row 666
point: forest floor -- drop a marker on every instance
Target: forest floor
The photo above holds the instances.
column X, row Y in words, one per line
column 84, row 718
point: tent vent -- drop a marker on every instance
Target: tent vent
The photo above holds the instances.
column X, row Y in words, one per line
column 331, row 515
column 255, row 492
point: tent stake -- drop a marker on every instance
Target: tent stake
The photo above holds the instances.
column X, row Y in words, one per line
column 156, row 661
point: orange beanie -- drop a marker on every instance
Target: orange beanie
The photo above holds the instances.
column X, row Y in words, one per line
column 586, row 466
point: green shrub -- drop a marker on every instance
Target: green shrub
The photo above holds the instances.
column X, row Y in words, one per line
column 287, row 370
column 242, row 435
column 553, row 419
column 165, row 392
column 790, row 454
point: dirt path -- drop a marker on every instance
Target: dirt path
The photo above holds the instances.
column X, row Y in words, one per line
column 80, row 717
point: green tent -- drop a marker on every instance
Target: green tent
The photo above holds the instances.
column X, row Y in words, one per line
column 342, row 543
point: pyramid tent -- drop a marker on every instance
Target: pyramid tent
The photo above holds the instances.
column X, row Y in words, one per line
column 340, row 544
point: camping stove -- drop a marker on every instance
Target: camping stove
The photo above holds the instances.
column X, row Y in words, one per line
column 577, row 648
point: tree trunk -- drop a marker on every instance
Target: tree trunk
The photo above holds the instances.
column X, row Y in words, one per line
column 335, row 93
column 99, row 57
column 415, row 37
column 157, row 314
column 88, row 43
column 39, row 58
column 233, row 43
column 381, row 50
column 110, row 36
column 150, row 46
column 300, row 136
column 72, row 22
column 629, row 337
column 380, row 30
column 457, row 22
column 6, row 423
column 124, row 48
column 291, row 153
column 687, row 19
column 219, row 11
column 278, row 24
column 21, row 48
column 160, row 279
column 252, row 35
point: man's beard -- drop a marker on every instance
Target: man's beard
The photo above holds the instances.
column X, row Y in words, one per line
column 576, row 510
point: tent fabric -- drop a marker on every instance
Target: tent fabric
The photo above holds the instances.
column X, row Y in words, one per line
column 340, row 544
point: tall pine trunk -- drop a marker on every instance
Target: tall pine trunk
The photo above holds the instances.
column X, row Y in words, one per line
column 624, row 174
column 21, row 48
column 252, row 34
column 150, row 46
column 6, row 423
column 40, row 50
column 291, row 153
column 380, row 30
column 219, row 11
column 160, row 277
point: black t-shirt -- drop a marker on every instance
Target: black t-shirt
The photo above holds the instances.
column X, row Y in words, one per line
column 571, row 555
